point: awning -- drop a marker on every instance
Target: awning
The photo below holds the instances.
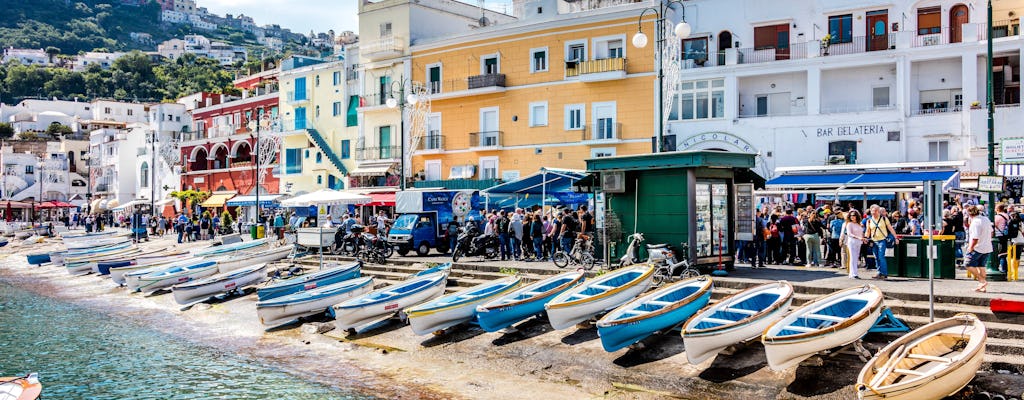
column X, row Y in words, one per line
column 855, row 197
column 380, row 199
column 266, row 200
column 95, row 206
column 113, row 203
column 547, row 180
column 217, row 200
column 325, row 197
column 1014, row 170
column 15, row 204
column 54, row 204
column 163, row 202
column 375, row 169
column 890, row 180
column 128, row 205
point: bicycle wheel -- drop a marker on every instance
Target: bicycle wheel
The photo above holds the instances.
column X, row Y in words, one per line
column 589, row 261
column 661, row 276
column 560, row 259
column 690, row 273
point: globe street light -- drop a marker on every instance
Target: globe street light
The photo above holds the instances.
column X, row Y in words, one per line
column 682, row 30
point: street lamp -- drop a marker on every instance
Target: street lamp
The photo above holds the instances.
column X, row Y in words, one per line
column 401, row 102
column 262, row 122
column 151, row 137
column 682, row 30
column 88, row 183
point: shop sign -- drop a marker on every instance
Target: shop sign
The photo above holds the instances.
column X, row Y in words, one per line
column 851, row 130
column 736, row 141
column 990, row 183
column 1011, row 151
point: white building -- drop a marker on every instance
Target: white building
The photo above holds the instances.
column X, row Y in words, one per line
column 104, row 60
column 898, row 82
column 26, row 56
column 109, row 110
column 201, row 46
column 157, row 164
column 113, row 153
column 271, row 42
column 172, row 48
column 56, row 173
column 173, row 17
column 198, row 22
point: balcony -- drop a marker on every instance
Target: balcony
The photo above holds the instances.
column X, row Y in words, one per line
column 933, row 39
column 433, row 142
column 302, row 98
column 488, row 140
column 859, row 44
column 752, row 55
column 378, row 153
column 374, row 101
column 596, row 70
column 383, row 48
column 486, row 80
column 935, row 110
column 1002, row 28
column 601, row 133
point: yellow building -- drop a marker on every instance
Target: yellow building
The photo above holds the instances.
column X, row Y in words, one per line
column 319, row 124
column 550, row 90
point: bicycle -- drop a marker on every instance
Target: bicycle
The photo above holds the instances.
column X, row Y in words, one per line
column 582, row 253
column 667, row 268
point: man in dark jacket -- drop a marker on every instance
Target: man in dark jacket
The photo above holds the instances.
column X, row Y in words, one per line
column 786, row 225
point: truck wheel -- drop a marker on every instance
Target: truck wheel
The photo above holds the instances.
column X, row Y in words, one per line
column 423, row 249
column 403, row 250
column 443, row 248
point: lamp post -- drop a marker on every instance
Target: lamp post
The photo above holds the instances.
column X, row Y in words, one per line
column 993, row 262
column 88, row 183
column 682, row 30
column 401, row 102
column 151, row 137
column 262, row 122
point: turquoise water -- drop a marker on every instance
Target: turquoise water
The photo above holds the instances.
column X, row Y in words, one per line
column 83, row 354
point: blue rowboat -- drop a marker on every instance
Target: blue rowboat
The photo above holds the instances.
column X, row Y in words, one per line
column 3, row 242
column 594, row 297
column 525, row 302
column 367, row 310
column 326, row 277
column 228, row 248
column 172, row 276
column 285, row 309
column 656, row 311
column 120, row 274
column 91, row 244
column 447, row 311
column 38, row 258
column 438, row 268
column 103, row 267
column 735, row 319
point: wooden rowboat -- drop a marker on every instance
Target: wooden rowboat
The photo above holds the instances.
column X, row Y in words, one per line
column 929, row 363
column 453, row 309
column 594, row 297
column 659, row 310
column 737, row 318
column 523, row 303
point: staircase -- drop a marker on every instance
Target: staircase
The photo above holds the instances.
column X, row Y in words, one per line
column 327, row 150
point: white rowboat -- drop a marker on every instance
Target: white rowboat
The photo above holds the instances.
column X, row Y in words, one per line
column 243, row 259
column 453, row 309
column 205, row 288
column 737, row 318
column 601, row 294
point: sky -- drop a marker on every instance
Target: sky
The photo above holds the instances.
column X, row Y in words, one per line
column 301, row 16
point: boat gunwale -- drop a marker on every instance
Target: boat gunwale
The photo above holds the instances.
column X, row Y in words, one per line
column 238, row 273
column 438, row 277
column 864, row 312
column 554, row 303
column 487, row 307
column 705, row 288
column 415, row 312
column 303, row 279
column 726, row 302
column 354, row 286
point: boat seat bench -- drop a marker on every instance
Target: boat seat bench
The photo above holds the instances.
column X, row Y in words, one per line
column 717, row 321
column 635, row 312
column 602, row 287
column 531, row 294
column 740, row 311
column 802, row 329
column 926, row 357
column 659, row 303
column 825, row 317
column 908, row 372
column 390, row 294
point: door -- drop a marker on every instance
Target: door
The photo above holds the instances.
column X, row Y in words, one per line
column 300, row 118
column 383, row 89
column 435, row 79
column 432, row 170
column 877, row 28
column 957, row 19
column 491, row 66
column 384, row 140
column 724, row 42
column 489, row 127
column 775, row 38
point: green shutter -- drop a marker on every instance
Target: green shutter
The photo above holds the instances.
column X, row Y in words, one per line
column 352, row 118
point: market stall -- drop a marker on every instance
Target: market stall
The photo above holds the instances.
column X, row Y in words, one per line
column 330, row 204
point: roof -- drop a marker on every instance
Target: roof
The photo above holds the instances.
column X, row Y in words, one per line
column 674, row 159
column 547, row 180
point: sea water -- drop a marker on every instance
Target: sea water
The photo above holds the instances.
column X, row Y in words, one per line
column 83, row 354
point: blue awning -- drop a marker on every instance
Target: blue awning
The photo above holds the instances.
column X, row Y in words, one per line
column 835, row 181
column 855, row 197
column 266, row 200
column 547, row 180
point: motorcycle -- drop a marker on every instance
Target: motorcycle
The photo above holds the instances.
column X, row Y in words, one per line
column 632, row 255
column 471, row 243
column 358, row 241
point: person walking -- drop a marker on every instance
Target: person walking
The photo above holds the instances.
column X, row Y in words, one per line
column 879, row 231
column 852, row 238
column 568, row 232
column 979, row 246
column 813, row 230
column 787, row 227
column 1002, row 233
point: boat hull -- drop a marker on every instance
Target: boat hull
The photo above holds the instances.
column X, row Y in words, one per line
column 701, row 345
column 149, row 284
column 429, row 321
column 277, row 315
column 302, row 283
column 617, row 336
column 187, row 294
column 39, row 258
column 253, row 259
column 568, row 315
column 497, row 317
column 362, row 316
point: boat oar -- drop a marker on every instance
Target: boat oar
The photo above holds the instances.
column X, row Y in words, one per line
column 889, row 364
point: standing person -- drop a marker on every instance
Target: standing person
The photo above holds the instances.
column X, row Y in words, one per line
column 537, row 232
column 787, row 228
column 568, row 232
column 835, row 228
column 853, row 238
column 279, row 225
column 179, row 227
column 878, row 229
column 527, row 237
column 979, row 246
column 204, row 226
column 501, row 228
column 216, row 224
column 161, row 226
column 382, row 223
column 1002, row 225
column 813, row 230
column 760, row 234
column 773, row 241
column 452, row 232
column 516, row 235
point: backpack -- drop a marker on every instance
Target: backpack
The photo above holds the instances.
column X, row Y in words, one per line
column 774, row 231
column 1006, row 225
column 453, row 229
column 1013, row 225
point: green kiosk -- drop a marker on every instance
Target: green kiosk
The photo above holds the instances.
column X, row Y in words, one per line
column 702, row 198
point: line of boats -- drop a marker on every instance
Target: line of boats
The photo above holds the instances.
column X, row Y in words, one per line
column 931, row 362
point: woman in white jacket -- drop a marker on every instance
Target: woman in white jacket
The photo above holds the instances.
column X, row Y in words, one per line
column 853, row 233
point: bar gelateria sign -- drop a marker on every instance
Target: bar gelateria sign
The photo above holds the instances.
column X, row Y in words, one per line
column 1011, row 151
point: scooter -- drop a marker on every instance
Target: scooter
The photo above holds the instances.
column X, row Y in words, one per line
column 632, row 255
column 471, row 243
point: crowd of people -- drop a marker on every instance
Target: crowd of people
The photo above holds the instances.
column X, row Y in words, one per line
column 532, row 235
column 837, row 237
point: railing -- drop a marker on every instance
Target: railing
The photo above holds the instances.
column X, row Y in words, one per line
column 791, row 113
column 1001, row 28
column 486, row 139
column 933, row 39
column 434, row 87
column 325, row 148
column 606, row 131
column 700, row 60
column 486, row 80
column 854, row 108
column 293, row 168
column 374, row 100
column 291, row 98
column 378, row 153
column 577, row 68
column 933, row 111
column 857, row 44
column 752, row 55
column 386, row 44
column 433, row 141
column 459, row 184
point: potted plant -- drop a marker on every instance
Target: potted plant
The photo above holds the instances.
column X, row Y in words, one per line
column 826, row 41
column 975, row 105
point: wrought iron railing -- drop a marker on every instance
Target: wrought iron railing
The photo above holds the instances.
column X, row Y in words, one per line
column 486, row 139
column 486, row 80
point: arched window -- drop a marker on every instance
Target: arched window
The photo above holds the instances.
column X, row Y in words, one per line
column 319, row 157
column 144, row 174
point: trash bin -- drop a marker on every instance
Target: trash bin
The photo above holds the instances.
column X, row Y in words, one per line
column 261, row 232
column 944, row 254
column 910, row 257
column 892, row 260
column 252, row 232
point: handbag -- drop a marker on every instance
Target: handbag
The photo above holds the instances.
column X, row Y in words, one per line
column 890, row 241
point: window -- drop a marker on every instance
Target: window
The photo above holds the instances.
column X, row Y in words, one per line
column 130, row 111
column 293, row 161
column 346, row 149
column 880, row 97
column 336, row 109
column 938, row 151
column 575, row 114
column 539, row 113
column 576, row 51
column 319, row 179
column 385, row 29
column 316, row 81
column 696, row 50
column 300, row 89
column 841, row 28
column 352, row 116
column 336, row 78
column 300, row 118
column 489, row 64
column 762, row 105
column 488, row 168
column 842, row 152
column 773, row 37
column 605, row 126
column 602, row 152
column 539, row 59
column 144, row 175
column 319, row 157
column 384, row 141
column 383, row 88
column 608, row 47
column 30, row 169
column 699, row 100
column 433, row 139
column 434, row 78
column 106, row 110
column 316, row 112
column 929, row 20
column 615, row 49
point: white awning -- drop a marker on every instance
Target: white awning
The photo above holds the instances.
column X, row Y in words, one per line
column 326, row 197
column 375, row 169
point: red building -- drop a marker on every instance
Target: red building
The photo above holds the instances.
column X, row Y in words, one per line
column 218, row 153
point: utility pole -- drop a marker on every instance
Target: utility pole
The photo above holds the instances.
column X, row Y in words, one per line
column 993, row 262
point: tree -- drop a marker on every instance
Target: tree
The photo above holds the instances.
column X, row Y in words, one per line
column 6, row 130
column 52, row 52
column 58, row 129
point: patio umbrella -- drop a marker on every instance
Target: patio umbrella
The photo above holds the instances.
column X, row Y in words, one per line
column 326, row 197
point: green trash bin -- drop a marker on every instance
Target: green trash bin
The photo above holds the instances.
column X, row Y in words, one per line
column 944, row 255
column 892, row 260
column 252, row 231
column 911, row 257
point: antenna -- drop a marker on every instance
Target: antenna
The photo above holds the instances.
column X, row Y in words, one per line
column 483, row 14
